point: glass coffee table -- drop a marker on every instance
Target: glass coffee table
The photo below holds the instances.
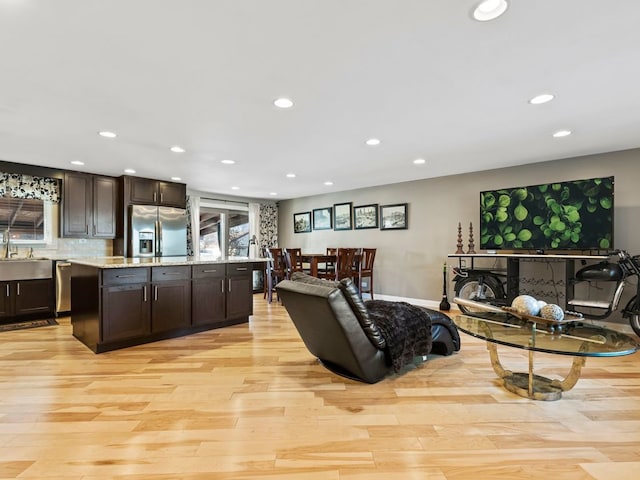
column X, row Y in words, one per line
column 573, row 338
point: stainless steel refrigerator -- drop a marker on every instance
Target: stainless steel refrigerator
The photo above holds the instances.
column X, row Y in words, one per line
column 157, row 231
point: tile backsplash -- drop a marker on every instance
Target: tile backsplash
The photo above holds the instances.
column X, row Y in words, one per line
column 72, row 247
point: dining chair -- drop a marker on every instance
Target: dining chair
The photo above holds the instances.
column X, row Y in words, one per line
column 366, row 271
column 275, row 271
column 293, row 260
column 328, row 268
column 346, row 263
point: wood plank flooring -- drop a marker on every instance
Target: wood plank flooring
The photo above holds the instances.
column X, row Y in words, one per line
column 249, row 401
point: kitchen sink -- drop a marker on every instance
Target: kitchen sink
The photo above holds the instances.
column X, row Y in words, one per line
column 25, row 268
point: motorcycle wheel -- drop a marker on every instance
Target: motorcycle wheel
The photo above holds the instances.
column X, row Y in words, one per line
column 468, row 289
column 634, row 320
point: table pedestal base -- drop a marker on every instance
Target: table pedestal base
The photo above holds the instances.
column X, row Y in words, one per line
column 543, row 388
column 530, row 385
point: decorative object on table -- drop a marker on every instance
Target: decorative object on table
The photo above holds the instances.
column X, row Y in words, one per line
column 459, row 244
column 393, row 217
column 525, row 304
column 552, row 311
column 471, row 245
column 302, row 222
column 365, row 216
column 553, row 324
column 322, row 218
column 444, row 303
column 343, row 216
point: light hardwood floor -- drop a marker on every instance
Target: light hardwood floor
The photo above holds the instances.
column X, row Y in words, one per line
column 249, row 401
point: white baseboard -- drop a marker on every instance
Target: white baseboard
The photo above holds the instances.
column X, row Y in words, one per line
column 433, row 304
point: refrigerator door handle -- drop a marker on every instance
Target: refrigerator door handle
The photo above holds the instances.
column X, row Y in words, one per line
column 159, row 238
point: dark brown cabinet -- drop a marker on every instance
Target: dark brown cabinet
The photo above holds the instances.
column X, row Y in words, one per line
column 6, row 300
column 155, row 192
column 125, row 304
column 26, row 297
column 89, row 206
column 240, row 290
column 171, row 304
column 139, row 304
column 208, row 294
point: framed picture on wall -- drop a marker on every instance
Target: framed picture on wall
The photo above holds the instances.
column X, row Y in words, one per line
column 393, row 217
column 302, row 222
column 342, row 216
column 322, row 218
column 365, row 216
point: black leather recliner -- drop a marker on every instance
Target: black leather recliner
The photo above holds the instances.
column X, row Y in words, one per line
column 342, row 331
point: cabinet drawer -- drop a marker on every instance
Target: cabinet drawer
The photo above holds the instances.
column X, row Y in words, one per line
column 209, row 270
column 239, row 269
column 123, row 276
column 163, row 274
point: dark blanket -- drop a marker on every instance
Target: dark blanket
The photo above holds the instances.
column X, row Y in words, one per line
column 405, row 328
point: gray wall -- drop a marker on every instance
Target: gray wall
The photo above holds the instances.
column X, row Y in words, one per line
column 409, row 262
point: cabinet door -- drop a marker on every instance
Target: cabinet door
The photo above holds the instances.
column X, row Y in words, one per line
column 208, row 293
column 6, row 299
column 172, row 194
column 143, row 190
column 171, row 306
column 105, row 193
column 33, row 296
column 76, row 206
column 239, row 291
column 125, row 312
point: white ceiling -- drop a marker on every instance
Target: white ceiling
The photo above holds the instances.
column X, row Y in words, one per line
column 420, row 75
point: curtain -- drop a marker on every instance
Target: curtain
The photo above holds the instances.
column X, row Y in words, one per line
column 27, row 186
column 268, row 236
column 193, row 223
column 254, row 230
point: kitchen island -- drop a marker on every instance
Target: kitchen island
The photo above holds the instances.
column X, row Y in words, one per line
column 119, row 302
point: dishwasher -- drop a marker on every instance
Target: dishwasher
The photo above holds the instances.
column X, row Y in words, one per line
column 63, row 287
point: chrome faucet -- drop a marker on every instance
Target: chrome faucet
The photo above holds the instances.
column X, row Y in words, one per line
column 5, row 240
column 7, row 246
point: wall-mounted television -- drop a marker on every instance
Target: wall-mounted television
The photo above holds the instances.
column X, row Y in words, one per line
column 571, row 215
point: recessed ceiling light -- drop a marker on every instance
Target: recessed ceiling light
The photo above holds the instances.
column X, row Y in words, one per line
column 176, row 179
column 177, row 149
column 235, row 188
column 291, row 175
column 543, row 98
column 77, row 162
column 373, row 142
column 328, row 183
column 419, row 161
column 129, row 170
column 228, row 162
column 107, row 134
column 562, row 133
column 490, row 9
column 283, row 103
column 272, row 193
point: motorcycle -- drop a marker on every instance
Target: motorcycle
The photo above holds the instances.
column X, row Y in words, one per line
column 490, row 287
column 620, row 271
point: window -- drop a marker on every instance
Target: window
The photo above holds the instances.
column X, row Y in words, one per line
column 223, row 228
column 28, row 221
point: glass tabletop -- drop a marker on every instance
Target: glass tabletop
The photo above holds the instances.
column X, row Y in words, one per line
column 576, row 339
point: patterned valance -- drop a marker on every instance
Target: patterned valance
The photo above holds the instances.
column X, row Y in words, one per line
column 27, row 186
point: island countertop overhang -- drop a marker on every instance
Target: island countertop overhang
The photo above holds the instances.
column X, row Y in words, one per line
column 125, row 262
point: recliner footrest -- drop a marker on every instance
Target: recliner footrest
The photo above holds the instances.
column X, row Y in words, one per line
column 445, row 339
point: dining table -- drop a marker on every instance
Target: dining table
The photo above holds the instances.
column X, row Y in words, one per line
column 315, row 259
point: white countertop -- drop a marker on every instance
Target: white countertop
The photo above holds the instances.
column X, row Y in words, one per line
column 124, row 262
